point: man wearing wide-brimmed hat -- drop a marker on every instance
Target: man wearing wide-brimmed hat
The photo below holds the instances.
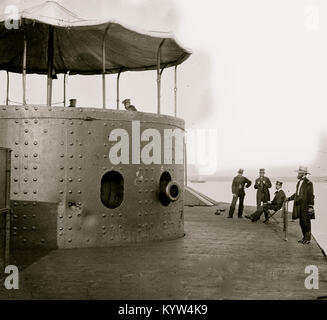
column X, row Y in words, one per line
column 238, row 185
column 262, row 184
column 303, row 203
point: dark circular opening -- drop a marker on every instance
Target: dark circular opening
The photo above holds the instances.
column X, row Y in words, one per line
column 112, row 189
column 174, row 191
column 165, row 178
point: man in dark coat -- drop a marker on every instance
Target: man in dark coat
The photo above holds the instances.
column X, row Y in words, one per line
column 128, row 105
column 262, row 184
column 275, row 205
column 303, row 203
column 238, row 185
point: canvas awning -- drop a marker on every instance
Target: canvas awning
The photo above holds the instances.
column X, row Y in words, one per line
column 78, row 44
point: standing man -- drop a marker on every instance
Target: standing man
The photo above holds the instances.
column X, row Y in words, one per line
column 128, row 105
column 238, row 185
column 303, row 203
column 262, row 184
column 275, row 205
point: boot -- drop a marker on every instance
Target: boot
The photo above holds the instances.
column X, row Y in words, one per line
column 231, row 212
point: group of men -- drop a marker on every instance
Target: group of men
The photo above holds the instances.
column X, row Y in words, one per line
column 303, row 199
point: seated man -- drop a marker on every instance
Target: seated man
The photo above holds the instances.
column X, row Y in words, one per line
column 128, row 105
column 275, row 204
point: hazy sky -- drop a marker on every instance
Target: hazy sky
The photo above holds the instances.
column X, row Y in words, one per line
column 257, row 75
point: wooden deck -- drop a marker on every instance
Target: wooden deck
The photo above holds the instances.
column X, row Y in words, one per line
column 219, row 258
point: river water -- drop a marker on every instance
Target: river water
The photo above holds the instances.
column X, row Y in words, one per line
column 221, row 191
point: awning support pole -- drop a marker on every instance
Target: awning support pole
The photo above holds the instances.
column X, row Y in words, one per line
column 24, row 70
column 50, row 66
column 7, row 94
column 104, row 67
column 175, row 91
column 159, row 75
column 65, row 87
column 118, row 77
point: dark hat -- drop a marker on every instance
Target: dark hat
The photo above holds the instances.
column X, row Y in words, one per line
column 240, row 171
column 126, row 100
column 262, row 171
column 279, row 182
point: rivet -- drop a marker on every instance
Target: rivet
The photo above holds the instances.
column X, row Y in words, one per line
column 33, row 228
column 70, row 228
column 69, row 240
column 26, row 130
column 35, row 167
column 26, row 143
column 45, row 130
column 26, row 155
column 35, row 143
column 16, row 142
column 16, row 155
column 35, row 121
column 34, row 179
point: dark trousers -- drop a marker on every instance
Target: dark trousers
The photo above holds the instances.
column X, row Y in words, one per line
column 240, row 196
column 262, row 209
column 305, row 224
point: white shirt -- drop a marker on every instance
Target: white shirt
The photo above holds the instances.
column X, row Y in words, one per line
column 299, row 188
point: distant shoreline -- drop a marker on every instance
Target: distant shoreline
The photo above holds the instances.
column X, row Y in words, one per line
column 229, row 178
